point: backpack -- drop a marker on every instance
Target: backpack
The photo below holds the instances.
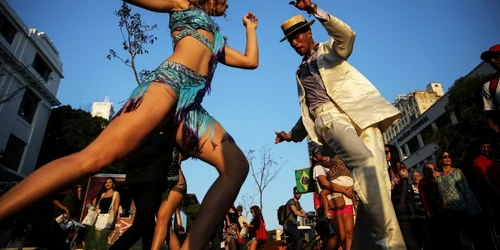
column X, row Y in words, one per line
column 282, row 215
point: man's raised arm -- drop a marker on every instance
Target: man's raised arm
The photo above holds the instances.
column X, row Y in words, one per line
column 342, row 35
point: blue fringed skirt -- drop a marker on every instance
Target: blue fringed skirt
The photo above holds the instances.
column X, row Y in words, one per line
column 190, row 88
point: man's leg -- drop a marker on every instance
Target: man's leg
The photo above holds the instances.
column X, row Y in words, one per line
column 147, row 200
column 336, row 129
column 294, row 234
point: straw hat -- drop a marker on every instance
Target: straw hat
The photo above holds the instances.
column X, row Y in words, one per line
column 294, row 24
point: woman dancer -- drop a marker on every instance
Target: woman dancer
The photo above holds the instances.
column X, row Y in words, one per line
column 173, row 92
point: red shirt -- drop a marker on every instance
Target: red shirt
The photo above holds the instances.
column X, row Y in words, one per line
column 487, row 167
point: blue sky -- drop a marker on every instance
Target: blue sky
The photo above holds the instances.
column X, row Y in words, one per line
column 400, row 46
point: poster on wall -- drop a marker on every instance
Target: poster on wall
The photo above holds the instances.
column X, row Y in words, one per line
column 126, row 209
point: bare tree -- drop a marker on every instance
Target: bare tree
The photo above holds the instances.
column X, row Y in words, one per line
column 135, row 36
column 247, row 201
column 267, row 171
column 87, row 107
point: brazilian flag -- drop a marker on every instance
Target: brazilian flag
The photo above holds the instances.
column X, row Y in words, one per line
column 304, row 181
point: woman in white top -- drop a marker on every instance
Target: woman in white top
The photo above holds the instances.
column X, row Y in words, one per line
column 343, row 218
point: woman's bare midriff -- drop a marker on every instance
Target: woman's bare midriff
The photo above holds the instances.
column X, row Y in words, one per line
column 193, row 54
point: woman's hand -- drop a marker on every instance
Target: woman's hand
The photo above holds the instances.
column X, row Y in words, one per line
column 403, row 173
column 250, row 20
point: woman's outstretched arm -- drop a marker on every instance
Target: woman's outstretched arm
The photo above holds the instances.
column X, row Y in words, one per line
column 249, row 60
column 155, row 5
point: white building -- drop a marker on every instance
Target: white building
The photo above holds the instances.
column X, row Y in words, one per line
column 30, row 73
column 415, row 142
column 103, row 109
column 413, row 105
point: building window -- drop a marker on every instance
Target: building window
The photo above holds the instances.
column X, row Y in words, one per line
column 427, row 135
column 413, row 145
column 28, row 106
column 443, row 120
column 13, row 152
column 41, row 67
column 7, row 30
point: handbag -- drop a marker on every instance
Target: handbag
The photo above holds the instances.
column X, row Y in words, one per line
column 92, row 214
column 261, row 232
column 90, row 218
column 239, row 240
column 102, row 222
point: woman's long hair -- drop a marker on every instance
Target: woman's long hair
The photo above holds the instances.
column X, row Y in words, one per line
column 257, row 212
column 394, row 155
column 103, row 188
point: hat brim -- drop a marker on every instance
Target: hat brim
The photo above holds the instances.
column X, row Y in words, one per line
column 487, row 55
column 296, row 29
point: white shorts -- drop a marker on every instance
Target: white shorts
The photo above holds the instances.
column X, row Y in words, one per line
column 344, row 181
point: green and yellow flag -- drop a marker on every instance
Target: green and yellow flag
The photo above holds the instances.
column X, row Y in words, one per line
column 304, row 181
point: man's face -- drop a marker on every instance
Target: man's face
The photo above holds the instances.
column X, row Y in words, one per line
column 416, row 177
column 297, row 195
column 495, row 61
column 301, row 42
column 485, row 149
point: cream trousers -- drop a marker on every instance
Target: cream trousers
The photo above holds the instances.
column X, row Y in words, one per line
column 363, row 152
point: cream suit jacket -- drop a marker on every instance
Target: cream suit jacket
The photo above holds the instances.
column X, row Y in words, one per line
column 345, row 85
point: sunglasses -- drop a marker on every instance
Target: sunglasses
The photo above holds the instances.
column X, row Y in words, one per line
column 387, row 152
column 446, row 157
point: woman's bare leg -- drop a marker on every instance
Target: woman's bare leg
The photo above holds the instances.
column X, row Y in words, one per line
column 120, row 137
column 253, row 245
column 173, row 242
column 165, row 212
column 324, row 200
column 349, row 230
column 339, row 220
column 232, row 166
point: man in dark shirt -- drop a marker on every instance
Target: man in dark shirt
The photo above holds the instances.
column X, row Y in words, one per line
column 67, row 202
column 146, row 169
column 293, row 210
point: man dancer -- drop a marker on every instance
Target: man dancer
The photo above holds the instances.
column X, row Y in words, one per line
column 342, row 109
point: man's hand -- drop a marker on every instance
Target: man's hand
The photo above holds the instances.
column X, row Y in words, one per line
column 281, row 136
column 348, row 192
column 301, row 4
